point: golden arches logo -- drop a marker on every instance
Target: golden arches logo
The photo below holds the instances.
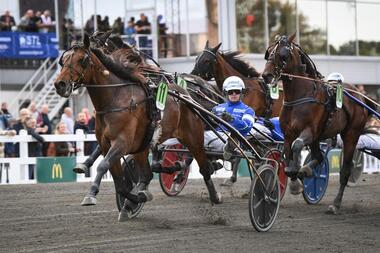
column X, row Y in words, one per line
column 56, row 171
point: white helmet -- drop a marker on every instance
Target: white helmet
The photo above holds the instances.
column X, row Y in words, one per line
column 335, row 77
column 233, row 83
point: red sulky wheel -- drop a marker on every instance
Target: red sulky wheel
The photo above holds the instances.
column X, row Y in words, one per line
column 172, row 184
column 275, row 154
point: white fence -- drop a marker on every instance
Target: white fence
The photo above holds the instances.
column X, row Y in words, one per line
column 16, row 170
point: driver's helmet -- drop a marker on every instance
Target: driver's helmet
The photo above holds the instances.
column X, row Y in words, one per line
column 233, row 83
column 335, row 78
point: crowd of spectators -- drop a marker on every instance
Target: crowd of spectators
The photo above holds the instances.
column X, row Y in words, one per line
column 37, row 123
column 31, row 21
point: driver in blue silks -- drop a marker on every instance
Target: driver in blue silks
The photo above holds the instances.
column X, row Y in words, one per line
column 235, row 112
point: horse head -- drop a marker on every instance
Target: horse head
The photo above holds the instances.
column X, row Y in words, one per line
column 282, row 57
column 205, row 62
column 77, row 68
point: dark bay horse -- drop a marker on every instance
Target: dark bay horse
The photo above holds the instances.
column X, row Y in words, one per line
column 309, row 113
column 124, row 122
column 214, row 64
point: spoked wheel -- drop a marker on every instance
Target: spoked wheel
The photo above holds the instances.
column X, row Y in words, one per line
column 264, row 200
column 130, row 167
column 172, row 184
column 316, row 185
column 275, row 154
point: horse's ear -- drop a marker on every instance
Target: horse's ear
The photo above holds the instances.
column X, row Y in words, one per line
column 86, row 41
column 215, row 49
column 206, row 47
column 292, row 37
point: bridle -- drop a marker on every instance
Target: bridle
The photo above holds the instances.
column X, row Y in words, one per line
column 85, row 62
column 209, row 74
column 284, row 55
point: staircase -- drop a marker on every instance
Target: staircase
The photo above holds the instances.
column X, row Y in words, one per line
column 43, row 77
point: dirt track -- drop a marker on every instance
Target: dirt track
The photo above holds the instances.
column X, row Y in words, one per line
column 48, row 217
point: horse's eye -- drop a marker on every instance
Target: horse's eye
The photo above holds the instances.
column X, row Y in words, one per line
column 83, row 62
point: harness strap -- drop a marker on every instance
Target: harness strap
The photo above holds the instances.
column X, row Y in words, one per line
column 302, row 101
column 131, row 107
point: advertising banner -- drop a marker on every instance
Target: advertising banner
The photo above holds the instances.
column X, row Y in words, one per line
column 23, row 45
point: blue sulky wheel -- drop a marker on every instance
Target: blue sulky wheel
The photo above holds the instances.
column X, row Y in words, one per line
column 315, row 186
column 263, row 204
column 135, row 208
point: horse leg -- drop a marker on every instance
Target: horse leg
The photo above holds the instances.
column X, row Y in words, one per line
column 113, row 155
column 234, row 167
column 304, row 139
column 144, row 171
column 84, row 167
column 316, row 158
column 350, row 139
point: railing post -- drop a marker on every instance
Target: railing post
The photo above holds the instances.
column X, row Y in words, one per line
column 80, row 143
column 23, row 145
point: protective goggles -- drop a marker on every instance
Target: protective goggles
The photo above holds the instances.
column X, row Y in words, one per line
column 230, row 92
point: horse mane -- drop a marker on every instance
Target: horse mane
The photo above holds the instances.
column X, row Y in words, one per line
column 240, row 65
column 122, row 70
column 311, row 69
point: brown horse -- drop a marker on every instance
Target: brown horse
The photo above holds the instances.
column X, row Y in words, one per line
column 309, row 113
column 123, row 102
column 214, row 64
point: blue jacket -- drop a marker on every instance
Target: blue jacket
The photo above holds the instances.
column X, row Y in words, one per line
column 244, row 116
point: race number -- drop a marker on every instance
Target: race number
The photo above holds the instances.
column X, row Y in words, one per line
column 162, row 94
column 274, row 92
column 339, row 96
column 182, row 82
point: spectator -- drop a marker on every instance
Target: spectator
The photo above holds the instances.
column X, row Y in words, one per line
column 43, row 121
column 6, row 22
column 29, row 22
column 81, row 124
column 130, row 32
column 47, row 22
column 89, row 27
column 163, row 40
column 34, row 148
column 33, row 110
column 4, row 109
column 87, row 113
column 104, row 25
column 361, row 89
column 19, row 125
column 67, row 118
column 143, row 26
column 3, row 148
column 118, row 26
column 60, row 148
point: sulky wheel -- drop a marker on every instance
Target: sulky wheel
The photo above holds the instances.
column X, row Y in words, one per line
column 315, row 186
column 173, row 183
column 275, row 154
column 135, row 209
column 264, row 204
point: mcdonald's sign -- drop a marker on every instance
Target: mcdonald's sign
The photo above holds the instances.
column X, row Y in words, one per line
column 55, row 169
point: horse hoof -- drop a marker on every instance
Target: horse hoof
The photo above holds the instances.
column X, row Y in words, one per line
column 123, row 215
column 89, row 201
column 80, row 168
column 332, row 210
column 228, row 182
column 295, row 187
column 218, row 199
column 145, row 196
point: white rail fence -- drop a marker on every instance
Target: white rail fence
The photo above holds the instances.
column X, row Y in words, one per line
column 18, row 172
column 15, row 170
